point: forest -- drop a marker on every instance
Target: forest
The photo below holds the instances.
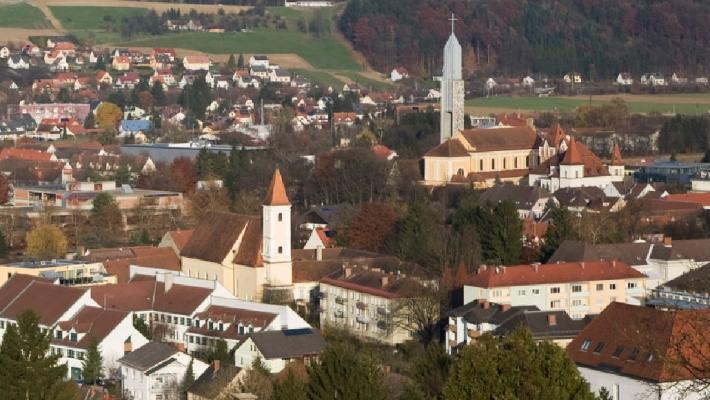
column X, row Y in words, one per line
column 598, row 38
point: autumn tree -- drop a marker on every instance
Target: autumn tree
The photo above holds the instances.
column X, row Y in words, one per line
column 258, row 380
column 209, row 198
column 46, row 241
column 106, row 219
column 515, row 367
column 4, row 189
column 145, row 100
column 372, row 226
column 108, row 115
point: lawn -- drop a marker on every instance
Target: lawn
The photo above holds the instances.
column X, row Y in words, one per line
column 565, row 104
column 323, row 79
column 80, row 18
column 321, row 53
column 22, row 16
column 367, row 83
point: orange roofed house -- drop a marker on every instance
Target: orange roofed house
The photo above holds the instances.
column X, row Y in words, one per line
column 644, row 353
column 579, row 288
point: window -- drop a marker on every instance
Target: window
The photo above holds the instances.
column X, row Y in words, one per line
column 585, row 345
column 600, row 287
column 460, row 172
column 612, row 286
column 631, row 285
column 576, row 288
column 576, row 174
column 281, row 250
column 496, row 293
column 515, row 162
column 493, row 164
column 521, row 293
column 576, row 303
column 72, row 336
column 618, row 351
column 599, row 347
column 555, row 290
column 191, row 339
column 241, row 329
column 2, row 324
column 70, row 353
column 80, row 355
column 480, row 165
column 648, row 357
column 504, row 164
column 251, row 329
column 210, row 326
column 536, row 291
column 281, row 217
column 634, row 354
column 527, row 161
column 182, row 320
column 58, row 334
column 221, row 326
column 555, row 304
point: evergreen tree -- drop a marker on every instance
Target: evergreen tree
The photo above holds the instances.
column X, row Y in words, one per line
column 417, row 237
column 100, row 63
column 258, row 380
column 141, row 326
column 235, row 169
column 231, row 63
column 92, row 365
column 706, row 157
column 240, row 61
column 158, row 93
column 27, row 369
column 515, row 367
column 188, row 379
column 604, row 394
column 291, row 388
column 345, row 374
column 90, row 121
column 561, row 228
column 4, row 250
column 122, row 176
column 220, row 352
column 106, row 218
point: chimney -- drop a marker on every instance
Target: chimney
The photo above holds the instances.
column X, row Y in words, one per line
column 215, row 365
column 482, row 268
column 581, row 264
column 486, row 305
column 505, row 307
column 168, row 281
column 667, row 241
column 384, row 280
column 613, row 263
column 348, row 272
column 551, row 319
column 319, row 253
column 535, row 266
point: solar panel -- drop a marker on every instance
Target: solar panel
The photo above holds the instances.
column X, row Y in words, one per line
column 297, row 332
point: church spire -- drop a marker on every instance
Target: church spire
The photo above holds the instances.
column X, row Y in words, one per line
column 616, row 156
column 276, row 195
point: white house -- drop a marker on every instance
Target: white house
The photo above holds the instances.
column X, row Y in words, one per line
column 18, row 62
column 278, row 348
column 196, row 63
column 4, row 52
column 528, row 81
column 491, row 83
column 624, row 79
column 677, row 79
column 259, row 60
column 155, row 371
column 572, row 78
column 280, row 76
column 639, row 353
column 654, row 79
column 399, row 73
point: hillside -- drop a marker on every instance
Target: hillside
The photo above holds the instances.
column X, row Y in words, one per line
column 513, row 37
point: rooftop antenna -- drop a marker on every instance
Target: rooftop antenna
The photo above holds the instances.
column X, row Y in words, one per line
column 452, row 19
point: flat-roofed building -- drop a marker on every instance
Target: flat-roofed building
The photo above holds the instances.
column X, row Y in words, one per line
column 65, row 272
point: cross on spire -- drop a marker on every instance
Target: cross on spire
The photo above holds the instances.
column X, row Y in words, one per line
column 452, row 19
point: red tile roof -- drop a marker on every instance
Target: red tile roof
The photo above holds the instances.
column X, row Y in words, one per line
column 276, row 196
column 24, row 154
column 702, row 199
column 117, row 261
column 516, row 138
column 181, row 237
column 647, row 343
column 149, row 294
column 234, row 316
column 382, row 151
column 572, row 156
column 216, row 235
column 616, row 156
column 519, row 275
column 48, row 300
column 534, row 229
column 94, row 322
column 450, row 148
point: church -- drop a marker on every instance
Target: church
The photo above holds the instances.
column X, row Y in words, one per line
column 248, row 255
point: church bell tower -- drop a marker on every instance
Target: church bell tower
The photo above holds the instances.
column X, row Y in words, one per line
column 276, row 219
column 452, row 88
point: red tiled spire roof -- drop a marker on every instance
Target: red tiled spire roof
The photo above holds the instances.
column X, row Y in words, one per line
column 616, row 156
column 572, row 156
column 276, row 196
column 556, row 135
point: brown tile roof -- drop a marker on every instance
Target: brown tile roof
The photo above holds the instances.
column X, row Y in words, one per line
column 374, row 281
column 181, row 237
column 276, row 195
column 48, row 300
column 616, row 156
column 516, row 138
column 695, row 249
column 518, row 275
column 96, row 323
column 217, row 233
column 450, row 148
column 306, row 268
column 694, row 281
column 117, row 261
column 702, row 199
column 15, row 285
column 556, row 135
column 534, row 229
column 646, row 343
column 233, row 316
column 629, row 253
column 572, row 156
column 141, row 295
column 24, row 154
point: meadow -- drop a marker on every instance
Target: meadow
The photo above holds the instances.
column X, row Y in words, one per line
column 87, row 18
column 22, row 15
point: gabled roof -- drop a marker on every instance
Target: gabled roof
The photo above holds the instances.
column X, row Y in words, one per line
column 96, row 323
column 552, row 324
column 575, row 251
column 211, row 383
column 572, row 156
column 645, row 343
column 289, row 343
column 522, row 197
column 181, row 237
column 693, row 249
column 694, row 281
column 148, row 356
column 145, row 293
column 499, row 139
column 24, row 154
column 218, row 232
column 521, row 275
column 276, row 195
column 481, row 311
column 47, row 300
column 450, row 148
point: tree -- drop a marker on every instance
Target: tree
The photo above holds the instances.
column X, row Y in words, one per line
column 92, row 365
column 231, row 62
column 430, row 370
column 220, row 351
column 291, row 388
column 372, row 226
column 141, row 326
column 27, row 369
column 4, row 189
column 90, row 121
column 419, row 237
column 240, row 61
column 158, row 93
column 46, row 241
column 145, row 100
column 108, row 115
column 561, row 228
column 106, row 219
column 515, row 367
column 188, row 379
column 258, row 380
column 345, row 374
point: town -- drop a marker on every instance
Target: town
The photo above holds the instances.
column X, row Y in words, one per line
column 186, row 224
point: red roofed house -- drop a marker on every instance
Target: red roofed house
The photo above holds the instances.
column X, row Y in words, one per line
column 104, row 77
column 702, row 199
column 176, row 240
column 121, row 63
column 128, row 80
column 645, row 353
column 13, row 153
column 384, row 152
column 76, row 320
column 578, row 288
column 246, row 254
column 319, row 239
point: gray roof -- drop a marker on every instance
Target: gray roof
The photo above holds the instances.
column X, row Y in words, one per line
column 629, row 253
column 693, row 281
column 522, row 197
column 210, row 384
column 484, row 312
column 538, row 322
column 148, row 356
column 288, row 343
column 695, row 249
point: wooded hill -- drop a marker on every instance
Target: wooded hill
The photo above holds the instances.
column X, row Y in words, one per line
column 598, row 38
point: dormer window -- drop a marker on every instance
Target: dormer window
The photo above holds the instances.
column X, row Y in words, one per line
column 210, row 325
column 58, row 334
column 251, row 329
column 72, row 336
column 221, row 327
column 241, row 329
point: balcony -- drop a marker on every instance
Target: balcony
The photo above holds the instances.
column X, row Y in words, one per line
column 383, row 325
column 339, row 314
column 362, row 319
column 341, row 300
column 360, row 305
column 382, row 311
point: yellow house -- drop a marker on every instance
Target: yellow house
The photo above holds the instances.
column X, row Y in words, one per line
column 481, row 156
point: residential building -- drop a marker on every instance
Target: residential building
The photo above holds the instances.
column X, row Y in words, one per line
column 121, row 63
column 66, row 272
column 369, row 302
column 260, row 60
column 218, row 382
column 529, row 201
column 155, row 370
column 227, row 323
column 398, row 74
column 117, row 261
column 196, row 63
column 639, row 353
column 688, row 291
column 18, row 62
column 278, row 348
column 578, row 288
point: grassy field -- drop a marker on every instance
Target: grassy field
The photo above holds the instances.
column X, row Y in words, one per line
column 86, row 18
column 685, row 104
column 321, row 53
column 322, row 78
column 367, row 83
column 22, row 16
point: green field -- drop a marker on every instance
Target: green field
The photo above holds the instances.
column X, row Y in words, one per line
column 321, row 53
column 22, row 16
column 80, row 18
column 323, row 79
column 367, row 83
column 669, row 104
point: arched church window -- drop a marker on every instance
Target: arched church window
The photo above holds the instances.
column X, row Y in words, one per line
column 281, row 217
column 460, row 171
column 527, row 161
